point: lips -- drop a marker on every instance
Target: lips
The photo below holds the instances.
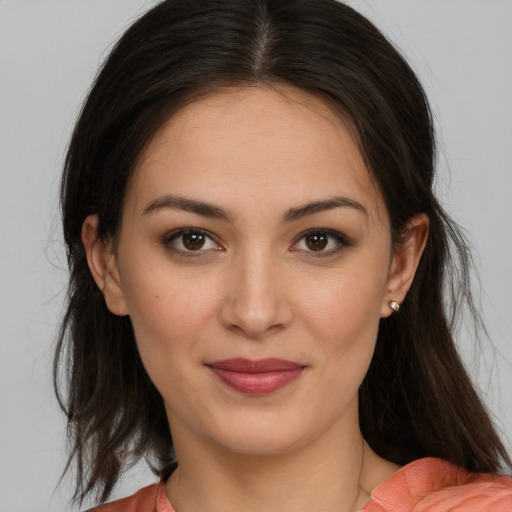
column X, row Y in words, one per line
column 256, row 377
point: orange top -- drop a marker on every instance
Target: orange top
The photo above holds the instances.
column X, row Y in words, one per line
column 424, row 485
column 434, row 485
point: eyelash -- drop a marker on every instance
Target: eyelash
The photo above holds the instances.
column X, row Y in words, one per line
column 341, row 241
column 174, row 235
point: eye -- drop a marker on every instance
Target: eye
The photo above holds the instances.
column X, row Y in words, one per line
column 322, row 242
column 316, row 241
column 188, row 241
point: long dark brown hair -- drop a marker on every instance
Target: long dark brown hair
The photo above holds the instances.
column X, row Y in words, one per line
column 417, row 399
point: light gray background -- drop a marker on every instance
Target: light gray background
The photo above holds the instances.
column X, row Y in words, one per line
column 49, row 51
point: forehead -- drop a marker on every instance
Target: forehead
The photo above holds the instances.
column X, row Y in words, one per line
column 279, row 143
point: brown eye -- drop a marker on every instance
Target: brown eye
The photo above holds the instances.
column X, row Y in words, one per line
column 317, row 241
column 190, row 242
column 322, row 243
column 193, row 241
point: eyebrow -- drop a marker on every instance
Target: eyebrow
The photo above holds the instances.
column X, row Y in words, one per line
column 320, row 206
column 174, row 202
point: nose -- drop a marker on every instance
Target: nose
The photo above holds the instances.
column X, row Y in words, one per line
column 256, row 301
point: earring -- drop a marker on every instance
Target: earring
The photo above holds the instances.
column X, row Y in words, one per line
column 394, row 305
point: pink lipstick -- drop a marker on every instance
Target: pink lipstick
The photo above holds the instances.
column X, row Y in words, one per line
column 256, row 377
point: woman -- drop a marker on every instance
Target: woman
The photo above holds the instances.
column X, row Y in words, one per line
column 257, row 273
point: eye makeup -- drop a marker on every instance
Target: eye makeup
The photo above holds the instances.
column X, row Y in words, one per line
column 195, row 242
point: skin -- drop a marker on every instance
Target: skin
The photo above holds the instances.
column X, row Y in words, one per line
column 255, row 289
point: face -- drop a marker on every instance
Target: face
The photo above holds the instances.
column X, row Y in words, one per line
column 255, row 261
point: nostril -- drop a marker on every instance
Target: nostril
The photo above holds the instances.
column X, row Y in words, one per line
column 256, row 301
column 255, row 318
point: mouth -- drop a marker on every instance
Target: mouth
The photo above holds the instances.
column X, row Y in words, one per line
column 259, row 377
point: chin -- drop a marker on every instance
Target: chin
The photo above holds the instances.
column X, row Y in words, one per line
column 261, row 445
column 264, row 436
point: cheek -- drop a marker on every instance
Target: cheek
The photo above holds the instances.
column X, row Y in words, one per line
column 346, row 303
column 343, row 317
column 351, row 325
column 169, row 315
column 167, row 310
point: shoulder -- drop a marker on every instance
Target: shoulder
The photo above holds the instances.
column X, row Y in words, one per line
column 428, row 485
column 148, row 499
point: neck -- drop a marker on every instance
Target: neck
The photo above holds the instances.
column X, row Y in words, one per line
column 325, row 475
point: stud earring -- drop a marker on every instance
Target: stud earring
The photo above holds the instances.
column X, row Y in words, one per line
column 394, row 305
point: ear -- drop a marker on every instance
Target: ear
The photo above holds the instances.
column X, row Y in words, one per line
column 405, row 262
column 103, row 266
